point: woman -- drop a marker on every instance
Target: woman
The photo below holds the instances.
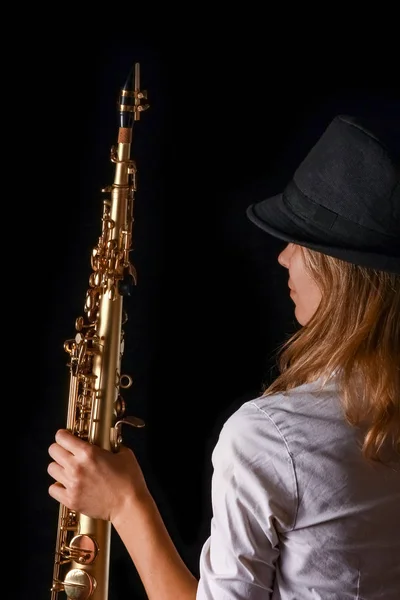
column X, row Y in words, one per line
column 306, row 482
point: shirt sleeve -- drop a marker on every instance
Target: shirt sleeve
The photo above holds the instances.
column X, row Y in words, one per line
column 254, row 498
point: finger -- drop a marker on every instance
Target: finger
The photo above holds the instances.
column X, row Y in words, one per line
column 69, row 441
column 57, row 491
column 59, row 454
column 57, row 473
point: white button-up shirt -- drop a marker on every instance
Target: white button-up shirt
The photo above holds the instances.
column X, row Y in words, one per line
column 298, row 514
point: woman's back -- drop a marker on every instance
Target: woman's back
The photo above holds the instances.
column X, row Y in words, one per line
column 325, row 523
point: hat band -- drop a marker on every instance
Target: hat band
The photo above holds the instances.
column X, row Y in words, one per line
column 322, row 225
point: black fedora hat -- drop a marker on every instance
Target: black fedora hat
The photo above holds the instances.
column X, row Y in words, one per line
column 343, row 199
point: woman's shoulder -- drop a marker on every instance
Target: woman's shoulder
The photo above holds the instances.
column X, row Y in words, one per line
column 282, row 419
column 302, row 401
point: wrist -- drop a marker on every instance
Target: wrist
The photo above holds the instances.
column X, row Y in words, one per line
column 132, row 507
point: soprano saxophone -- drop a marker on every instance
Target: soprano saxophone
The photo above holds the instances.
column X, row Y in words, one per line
column 96, row 409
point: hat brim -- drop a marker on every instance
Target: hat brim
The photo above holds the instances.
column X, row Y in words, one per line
column 273, row 216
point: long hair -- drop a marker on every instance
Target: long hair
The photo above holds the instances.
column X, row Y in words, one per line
column 354, row 333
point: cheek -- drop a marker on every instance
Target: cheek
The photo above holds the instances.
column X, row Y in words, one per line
column 313, row 294
column 306, row 298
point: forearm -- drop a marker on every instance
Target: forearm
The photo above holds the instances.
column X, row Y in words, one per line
column 161, row 569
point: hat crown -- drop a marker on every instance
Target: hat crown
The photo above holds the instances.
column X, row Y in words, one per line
column 350, row 172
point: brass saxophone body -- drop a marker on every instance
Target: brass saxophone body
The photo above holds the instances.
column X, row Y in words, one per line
column 96, row 409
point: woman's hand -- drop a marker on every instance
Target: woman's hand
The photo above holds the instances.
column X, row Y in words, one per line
column 94, row 481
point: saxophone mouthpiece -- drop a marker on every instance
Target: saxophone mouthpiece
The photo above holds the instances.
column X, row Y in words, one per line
column 130, row 99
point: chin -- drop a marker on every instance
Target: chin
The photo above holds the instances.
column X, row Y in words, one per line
column 300, row 318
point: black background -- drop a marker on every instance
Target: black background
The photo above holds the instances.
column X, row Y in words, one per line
column 232, row 113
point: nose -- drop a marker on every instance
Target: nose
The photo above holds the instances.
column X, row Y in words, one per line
column 284, row 256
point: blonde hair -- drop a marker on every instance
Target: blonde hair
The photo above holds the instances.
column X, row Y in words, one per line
column 355, row 332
